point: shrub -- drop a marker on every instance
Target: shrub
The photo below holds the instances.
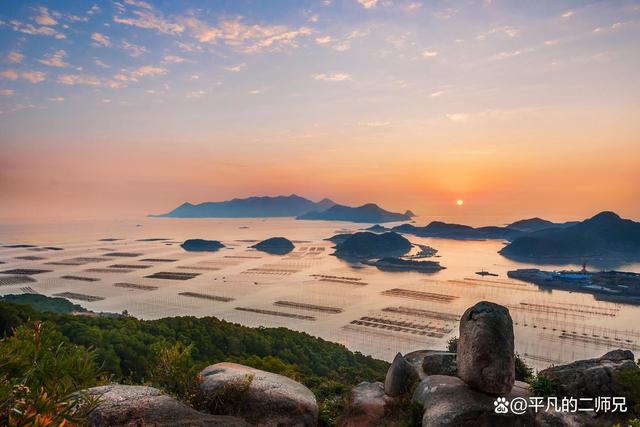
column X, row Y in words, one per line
column 452, row 345
column 541, row 385
column 174, row 371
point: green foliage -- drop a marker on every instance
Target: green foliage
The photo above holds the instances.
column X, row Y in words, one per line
column 452, row 345
column 174, row 371
column 43, row 303
column 542, row 385
column 41, row 376
column 11, row 317
column 629, row 379
column 523, row 371
column 635, row 422
column 273, row 364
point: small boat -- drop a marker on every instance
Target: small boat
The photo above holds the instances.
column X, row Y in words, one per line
column 485, row 273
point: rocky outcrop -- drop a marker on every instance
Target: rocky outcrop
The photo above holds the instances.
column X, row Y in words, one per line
column 592, row 377
column 440, row 363
column 449, row 402
column 201, row 245
column 126, row 405
column 401, row 376
column 368, row 403
column 485, row 358
column 257, row 396
column 275, row 246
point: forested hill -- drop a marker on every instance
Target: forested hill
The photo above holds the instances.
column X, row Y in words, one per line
column 127, row 349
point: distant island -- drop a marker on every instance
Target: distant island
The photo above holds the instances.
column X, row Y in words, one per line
column 445, row 230
column 604, row 236
column 251, row 207
column 201, row 245
column 366, row 245
column 401, row 264
column 275, row 246
column 370, row 213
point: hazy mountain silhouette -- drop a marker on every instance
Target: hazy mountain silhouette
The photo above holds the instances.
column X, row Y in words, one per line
column 605, row 235
column 458, row 231
column 537, row 224
column 365, row 213
column 251, row 207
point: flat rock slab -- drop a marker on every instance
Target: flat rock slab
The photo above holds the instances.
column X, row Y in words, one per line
column 126, row 405
column 258, row 396
column 449, row 402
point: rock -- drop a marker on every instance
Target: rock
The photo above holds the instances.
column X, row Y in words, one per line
column 416, row 358
column 259, row 397
column 367, row 404
column 552, row 418
column 441, row 363
column 126, row 405
column 485, row 348
column 592, row 377
column 200, row 245
column 449, row 402
column 401, row 376
column 275, row 246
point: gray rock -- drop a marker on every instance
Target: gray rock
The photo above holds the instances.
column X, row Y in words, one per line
column 592, row 377
column 485, row 348
column 552, row 418
column 401, row 376
column 449, row 402
column 442, row 363
column 259, row 397
column 367, row 404
column 416, row 358
column 126, row 405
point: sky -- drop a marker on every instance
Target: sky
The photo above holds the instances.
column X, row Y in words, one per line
column 118, row 109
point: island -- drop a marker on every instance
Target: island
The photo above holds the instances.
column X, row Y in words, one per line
column 251, row 207
column 367, row 245
column 369, row 212
column 616, row 286
column 604, row 236
column 458, row 231
column 537, row 224
column 275, row 246
column 201, row 245
column 401, row 264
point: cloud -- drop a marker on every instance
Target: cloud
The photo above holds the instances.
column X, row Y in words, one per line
column 323, row 40
column 56, row 99
column 368, row 4
column 134, row 50
column 447, row 13
column 138, row 3
column 7, row 92
column 30, row 76
column 173, row 59
column 196, row 94
column 150, row 20
column 246, row 38
column 101, row 64
column 236, row 68
column 429, row 54
column 510, row 54
column 255, row 92
column 55, row 60
column 79, row 79
column 100, row 40
column 375, row 124
column 413, row 6
column 15, row 57
column 32, row 30
column 336, row 77
column 44, row 18
column 94, row 10
column 568, row 14
column 437, row 94
column 505, row 30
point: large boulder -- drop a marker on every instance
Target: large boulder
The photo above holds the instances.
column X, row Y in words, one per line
column 440, row 363
column 368, row 403
column 401, row 376
column 416, row 359
column 126, row 405
column 259, row 397
column 485, row 348
column 592, row 377
column 449, row 402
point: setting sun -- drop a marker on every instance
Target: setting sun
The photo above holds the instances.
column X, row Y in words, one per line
column 459, row 202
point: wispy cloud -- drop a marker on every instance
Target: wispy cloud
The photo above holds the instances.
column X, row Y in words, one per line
column 458, row 117
column 196, row 94
column 7, row 92
column 101, row 64
column 15, row 57
column 368, row 4
column 336, row 77
column 44, row 17
column 56, row 98
column 429, row 54
column 236, row 68
column 79, row 79
column 55, row 60
column 134, row 50
column 150, row 20
column 568, row 14
column 173, row 59
column 30, row 29
column 100, row 40
column 138, row 3
column 504, row 30
column 30, row 76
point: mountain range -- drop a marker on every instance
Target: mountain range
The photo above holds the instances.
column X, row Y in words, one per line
column 370, row 213
column 251, row 207
column 605, row 235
